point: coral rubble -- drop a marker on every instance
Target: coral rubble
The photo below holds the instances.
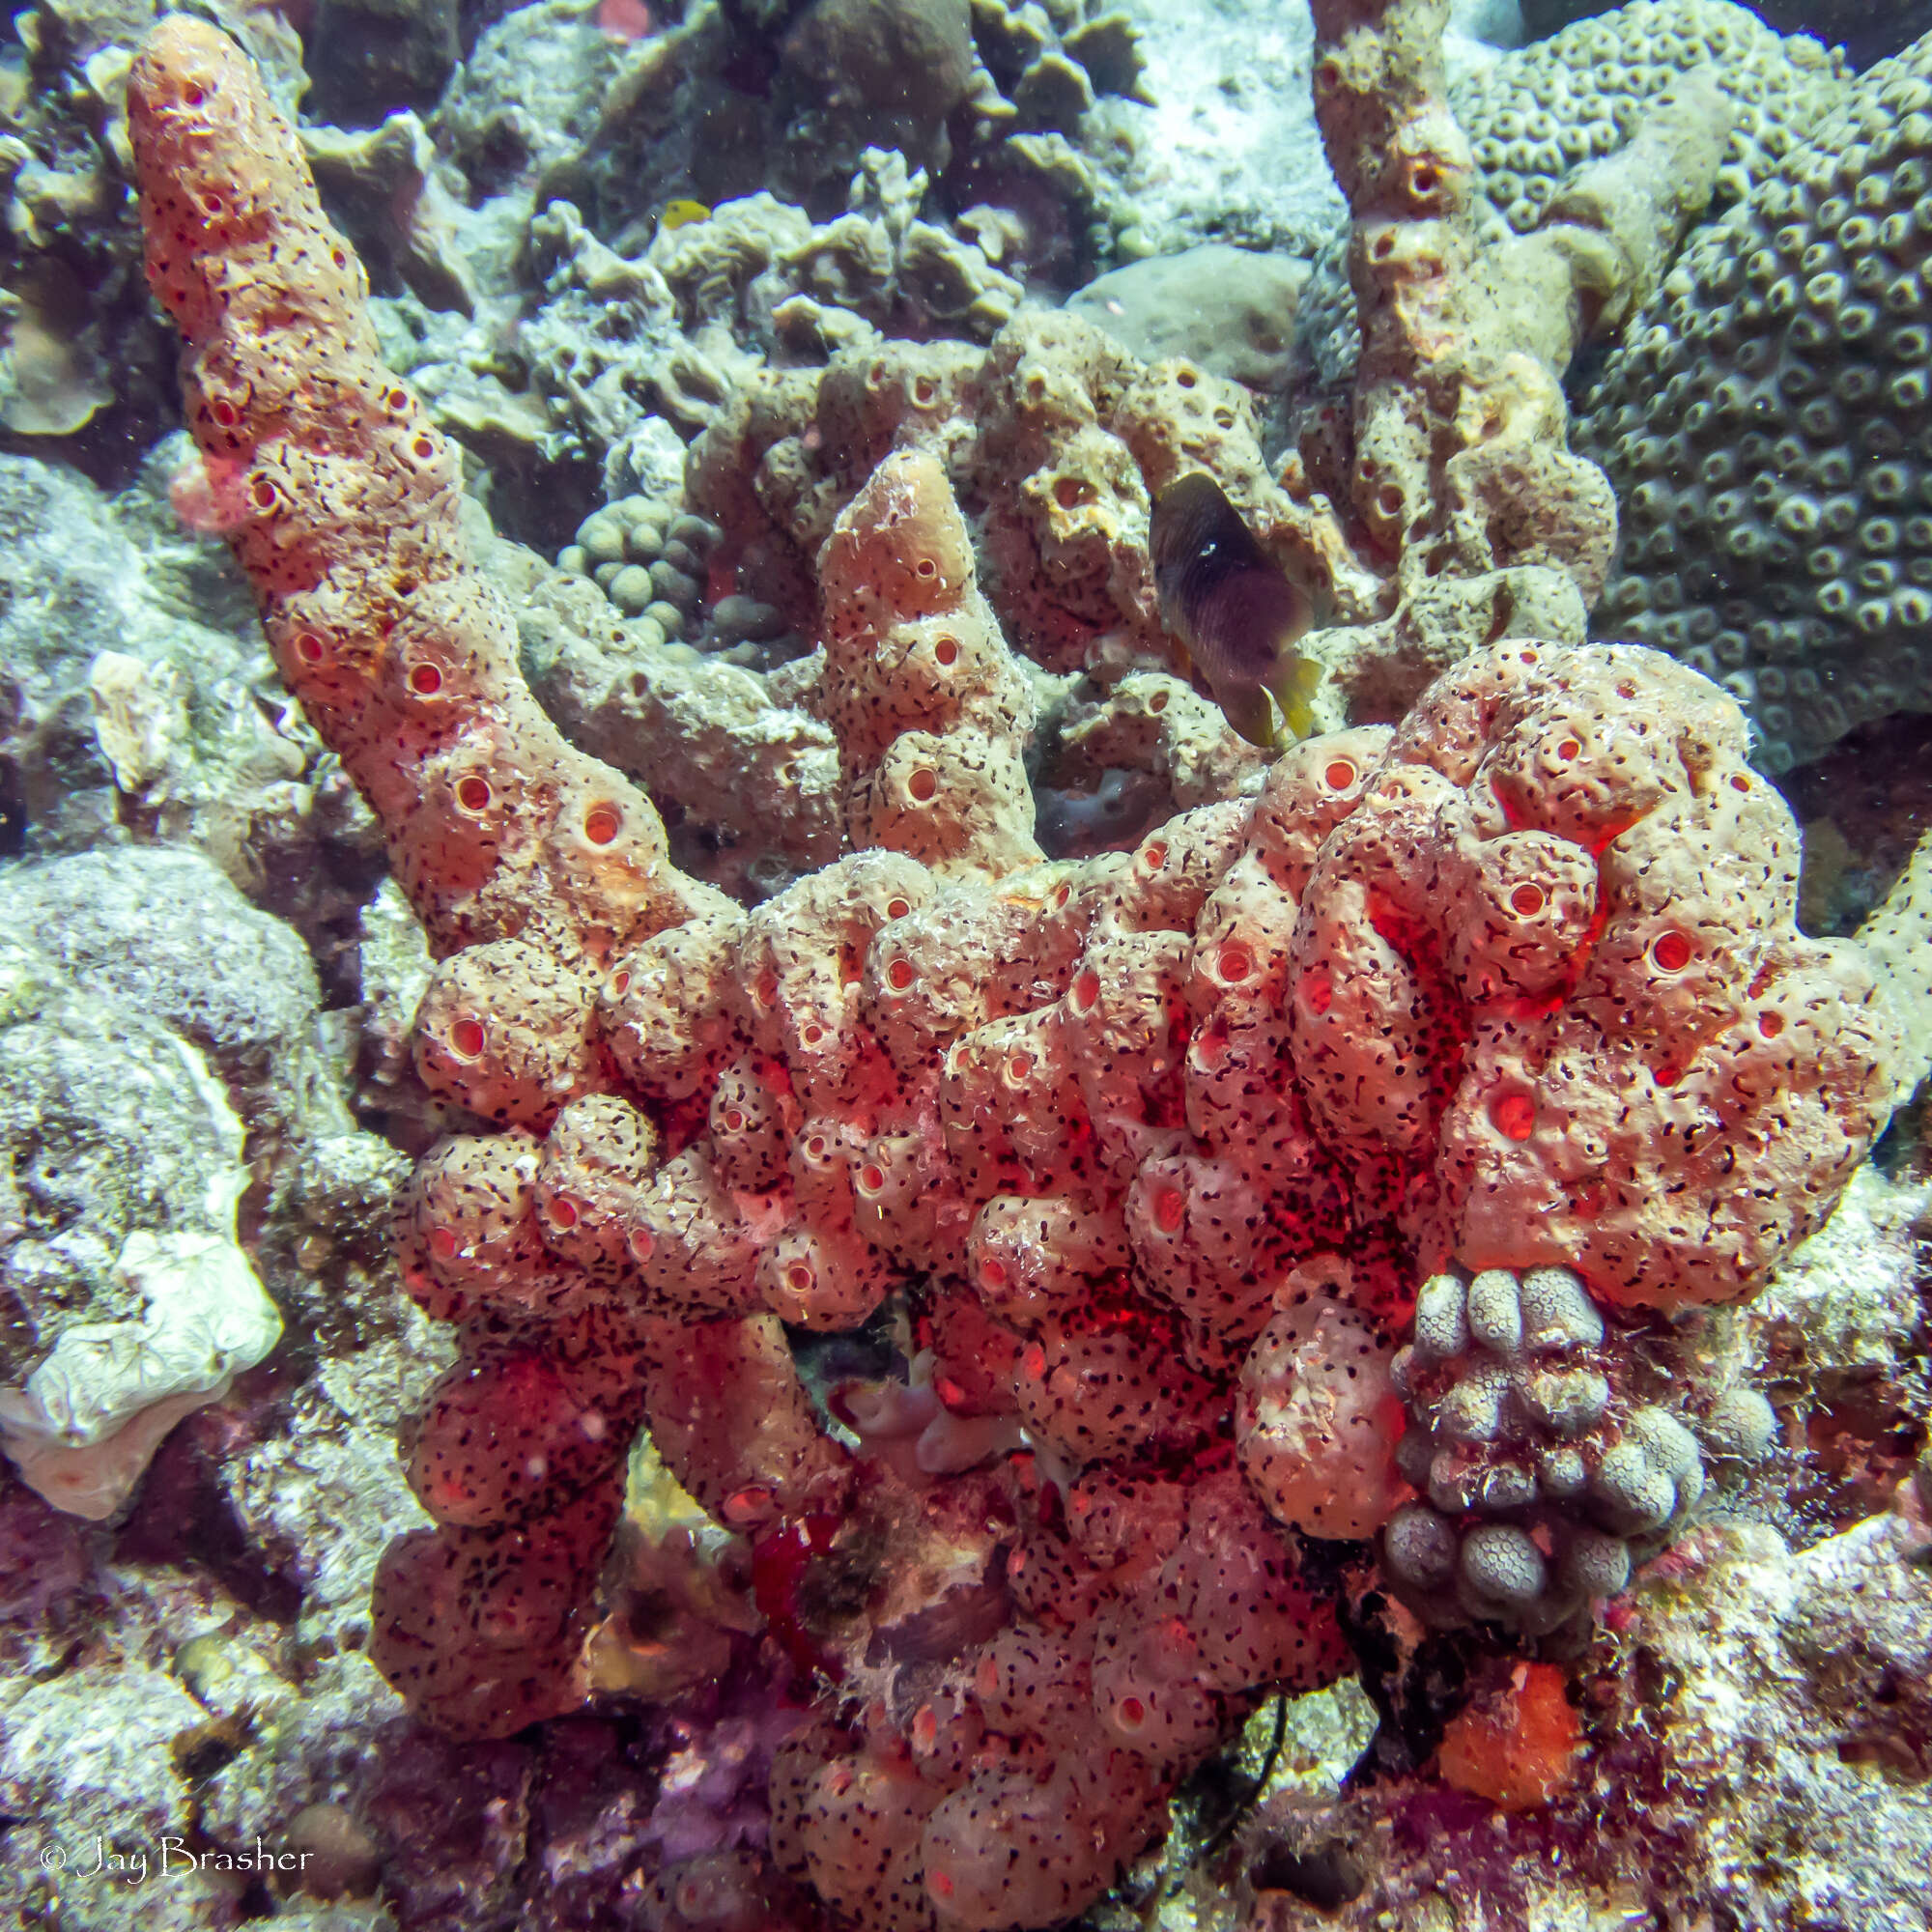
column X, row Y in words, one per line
column 141, row 1085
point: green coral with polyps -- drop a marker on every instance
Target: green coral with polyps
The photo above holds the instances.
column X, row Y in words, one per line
column 1766, row 420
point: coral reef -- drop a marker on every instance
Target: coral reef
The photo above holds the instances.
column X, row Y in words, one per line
column 1442, row 508
column 625, row 354
column 1126, row 1329
column 165, row 1054
column 682, row 328
column 734, row 100
column 1082, row 1189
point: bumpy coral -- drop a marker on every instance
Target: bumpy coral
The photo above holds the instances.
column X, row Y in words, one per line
column 648, row 558
column 1145, row 1151
column 1550, row 1451
column 1768, row 423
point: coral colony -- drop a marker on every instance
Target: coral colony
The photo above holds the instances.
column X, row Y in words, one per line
column 1311, row 1228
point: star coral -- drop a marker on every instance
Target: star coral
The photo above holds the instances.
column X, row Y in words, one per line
column 1776, row 527
column 1143, row 1147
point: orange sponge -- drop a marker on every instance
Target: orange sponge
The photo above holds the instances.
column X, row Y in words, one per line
column 1519, row 1749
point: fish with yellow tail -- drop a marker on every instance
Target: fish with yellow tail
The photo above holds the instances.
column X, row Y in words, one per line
column 1238, row 615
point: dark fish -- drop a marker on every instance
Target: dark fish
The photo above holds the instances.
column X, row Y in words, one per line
column 1239, row 616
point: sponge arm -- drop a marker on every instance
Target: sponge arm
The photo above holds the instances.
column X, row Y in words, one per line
column 343, row 505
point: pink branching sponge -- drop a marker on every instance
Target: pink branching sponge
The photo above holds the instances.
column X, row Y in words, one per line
column 528, row 862
column 341, row 499
column 1152, row 1151
column 931, row 711
column 1570, row 891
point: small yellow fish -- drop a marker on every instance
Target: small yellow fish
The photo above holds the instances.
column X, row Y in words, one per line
column 1235, row 612
column 682, row 213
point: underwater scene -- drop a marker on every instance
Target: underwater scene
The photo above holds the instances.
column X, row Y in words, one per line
column 966, row 965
